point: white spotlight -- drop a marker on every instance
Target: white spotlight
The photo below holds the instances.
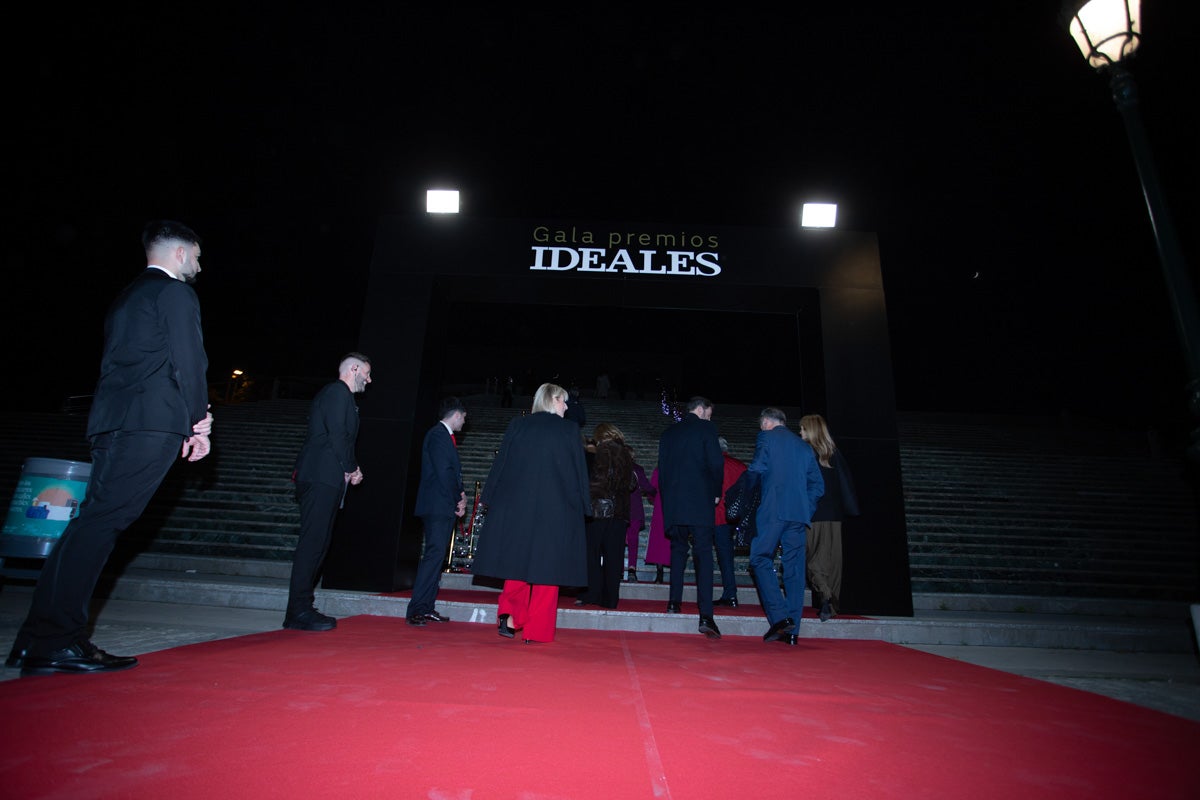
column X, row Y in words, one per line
column 819, row 215
column 441, row 201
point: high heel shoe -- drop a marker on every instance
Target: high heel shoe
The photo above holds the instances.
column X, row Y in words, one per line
column 632, row 575
column 503, row 628
column 659, row 577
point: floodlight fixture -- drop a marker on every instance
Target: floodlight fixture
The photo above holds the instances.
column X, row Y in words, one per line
column 818, row 215
column 441, row 201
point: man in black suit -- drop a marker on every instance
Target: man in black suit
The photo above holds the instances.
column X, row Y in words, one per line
column 151, row 405
column 325, row 468
column 440, row 498
column 690, row 471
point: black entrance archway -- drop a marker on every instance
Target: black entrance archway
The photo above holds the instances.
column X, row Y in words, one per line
column 810, row 319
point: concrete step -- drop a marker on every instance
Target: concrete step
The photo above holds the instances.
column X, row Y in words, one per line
column 947, row 619
column 937, row 583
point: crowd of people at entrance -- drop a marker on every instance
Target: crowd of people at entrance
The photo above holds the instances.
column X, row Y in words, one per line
column 565, row 508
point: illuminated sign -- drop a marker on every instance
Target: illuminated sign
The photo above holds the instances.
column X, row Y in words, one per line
column 629, row 252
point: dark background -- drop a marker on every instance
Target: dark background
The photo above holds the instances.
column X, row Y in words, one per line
column 1018, row 259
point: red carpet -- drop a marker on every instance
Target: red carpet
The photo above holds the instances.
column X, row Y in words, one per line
column 379, row 709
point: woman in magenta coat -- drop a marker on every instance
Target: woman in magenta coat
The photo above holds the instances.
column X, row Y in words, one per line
column 637, row 516
column 658, row 549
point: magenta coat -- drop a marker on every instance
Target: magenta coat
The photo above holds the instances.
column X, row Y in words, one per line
column 658, row 549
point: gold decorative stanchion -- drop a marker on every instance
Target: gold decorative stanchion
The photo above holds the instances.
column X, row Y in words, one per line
column 455, row 532
column 476, row 521
column 462, row 538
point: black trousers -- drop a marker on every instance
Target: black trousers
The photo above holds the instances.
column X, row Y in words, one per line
column 438, row 530
column 606, row 560
column 318, row 509
column 723, row 541
column 699, row 538
column 127, row 469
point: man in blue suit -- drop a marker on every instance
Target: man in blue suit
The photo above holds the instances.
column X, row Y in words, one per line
column 690, row 471
column 151, row 405
column 440, row 498
column 791, row 485
column 326, row 467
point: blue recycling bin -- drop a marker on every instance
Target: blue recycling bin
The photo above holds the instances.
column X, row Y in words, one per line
column 47, row 497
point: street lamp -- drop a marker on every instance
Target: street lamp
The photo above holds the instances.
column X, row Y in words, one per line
column 234, row 379
column 1108, row 33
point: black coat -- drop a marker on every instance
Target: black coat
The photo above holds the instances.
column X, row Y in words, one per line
column 840, row 500
column 536, row 496
column 152, row 373
column 691, row 471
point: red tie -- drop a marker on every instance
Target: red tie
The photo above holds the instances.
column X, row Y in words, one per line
column 454, row 440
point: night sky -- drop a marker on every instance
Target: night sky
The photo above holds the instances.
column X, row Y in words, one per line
column 1018, row 259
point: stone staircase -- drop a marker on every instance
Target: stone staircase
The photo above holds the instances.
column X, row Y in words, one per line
column 1015, row 507
column 993, row 507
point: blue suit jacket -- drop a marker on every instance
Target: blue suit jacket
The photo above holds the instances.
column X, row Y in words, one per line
column 441, row 475
column 690, row 472
column 152, row 373
column 790, row 478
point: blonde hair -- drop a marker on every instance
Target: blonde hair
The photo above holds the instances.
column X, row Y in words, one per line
column 606, row 431
column 816, row 433
column 546, row 394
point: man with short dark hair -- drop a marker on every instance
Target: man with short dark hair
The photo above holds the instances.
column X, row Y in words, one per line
column 150, row 406
column 440, row 499
column 791, row 485
column 690, row 471
column 325, row 468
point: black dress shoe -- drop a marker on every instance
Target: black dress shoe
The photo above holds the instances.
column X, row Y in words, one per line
column 434, row 616
column 310, row 620
column 776, row 631
column 826, row 611
column 16, row 656
column 503, row 629
column 673, row 608
column 709, row 628
column 727, row 602
column 417, row 621
column 788, row 638
column 79, row 657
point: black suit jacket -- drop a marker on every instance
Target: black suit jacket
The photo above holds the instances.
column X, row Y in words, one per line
column 691, row 471
column 153, row 370
column 328, row 451
column 441, row 474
